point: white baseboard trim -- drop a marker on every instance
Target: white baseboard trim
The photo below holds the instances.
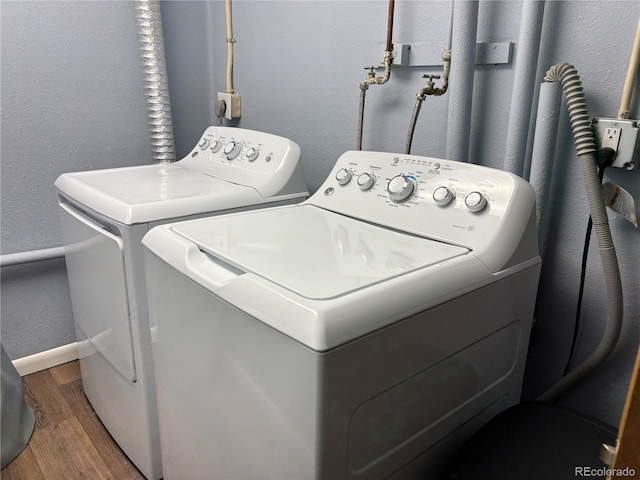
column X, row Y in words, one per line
column 47, row 359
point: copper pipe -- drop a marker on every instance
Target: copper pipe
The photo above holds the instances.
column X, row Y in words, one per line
column 390, row 26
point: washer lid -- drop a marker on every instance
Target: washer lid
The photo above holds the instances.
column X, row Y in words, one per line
column 153, row 192
column 313, row 252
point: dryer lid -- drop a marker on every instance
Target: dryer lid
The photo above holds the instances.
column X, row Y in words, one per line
column 313, row 252
column 150, row 193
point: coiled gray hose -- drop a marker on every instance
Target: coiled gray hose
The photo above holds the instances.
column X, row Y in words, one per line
column 585, row 145
column 156, row 86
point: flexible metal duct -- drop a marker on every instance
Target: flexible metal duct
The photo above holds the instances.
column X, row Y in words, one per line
column 156, row 85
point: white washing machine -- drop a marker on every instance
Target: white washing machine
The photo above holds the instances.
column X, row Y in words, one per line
column 364, row 333
column 105, row 214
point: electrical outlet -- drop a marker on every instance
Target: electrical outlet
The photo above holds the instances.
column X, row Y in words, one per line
column 623, row 136
column 611, row 138
column 233, row 105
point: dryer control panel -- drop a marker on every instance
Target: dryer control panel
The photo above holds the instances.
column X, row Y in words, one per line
column 268, row 163
column 463, row 204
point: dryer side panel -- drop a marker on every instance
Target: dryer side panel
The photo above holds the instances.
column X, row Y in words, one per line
column 95, row 265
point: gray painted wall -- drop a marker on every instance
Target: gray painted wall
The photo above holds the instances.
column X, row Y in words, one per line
column 72, row 100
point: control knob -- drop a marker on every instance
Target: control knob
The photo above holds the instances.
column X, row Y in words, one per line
column 400, row 188
column 216, row 145
column 343, row 176
column 443, row 196
column 232, row 149
column 252, row 154
column 366, row 181
column 204, row 143
column 475, row 202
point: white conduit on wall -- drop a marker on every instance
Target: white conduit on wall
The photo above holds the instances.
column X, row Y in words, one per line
column 463, row 51
column 11, row 259
column 630, row 79
column 524, row 81
column 230, row 42
column 544, row 146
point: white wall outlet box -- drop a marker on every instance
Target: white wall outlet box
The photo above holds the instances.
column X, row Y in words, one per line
column 623, row 136
column 233, row 104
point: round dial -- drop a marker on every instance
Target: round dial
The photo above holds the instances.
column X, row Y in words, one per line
column 366, row 181
column 343, row 176
column 204, row 143
column 400, row 188
column 443, row 196
column 216, row 145
column 252, row 154
column 232, row 149
column 475, row 202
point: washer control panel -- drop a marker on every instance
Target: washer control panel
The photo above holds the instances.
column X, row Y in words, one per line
column 455, row 202
column 260, row 160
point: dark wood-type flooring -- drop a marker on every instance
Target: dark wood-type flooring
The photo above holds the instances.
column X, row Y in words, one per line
column 69, row 441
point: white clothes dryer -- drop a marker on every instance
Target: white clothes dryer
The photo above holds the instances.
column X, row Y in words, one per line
column 364, row 333
column 104, row 215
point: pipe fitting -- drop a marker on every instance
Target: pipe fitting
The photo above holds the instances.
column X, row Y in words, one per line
column 364, row 86
column 371, row 76
column 429, row 88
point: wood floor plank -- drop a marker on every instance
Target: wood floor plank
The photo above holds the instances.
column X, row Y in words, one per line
column 65, row 373
column 76, row 399
column 115, row 460
column 43, row 395
column 56, row 451
column 69, row 441
column 23, row 467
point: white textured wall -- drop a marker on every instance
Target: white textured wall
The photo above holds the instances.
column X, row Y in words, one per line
column 298, row 66
column 71, row 100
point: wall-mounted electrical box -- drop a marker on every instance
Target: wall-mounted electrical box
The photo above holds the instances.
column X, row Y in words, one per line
column 621, row 135
column 232, row 105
